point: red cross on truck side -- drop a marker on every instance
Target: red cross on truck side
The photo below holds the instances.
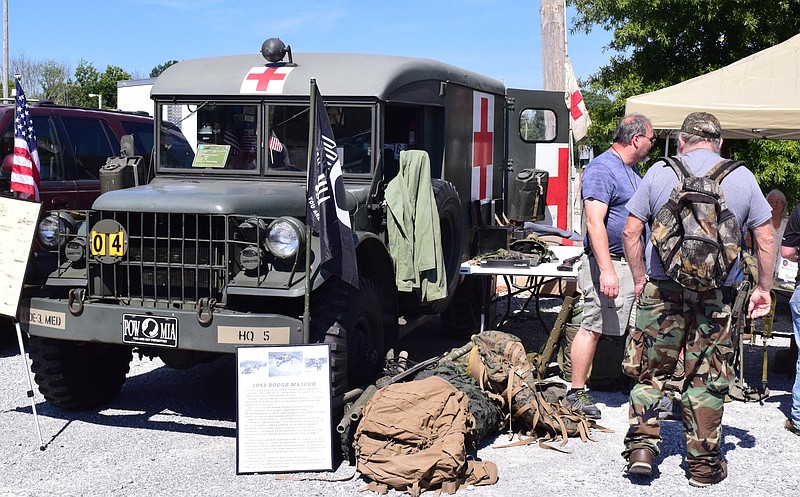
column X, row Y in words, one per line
column 269, row 74
column 482, row 142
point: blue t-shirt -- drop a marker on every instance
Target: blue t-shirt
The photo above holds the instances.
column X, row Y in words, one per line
column 608, row 180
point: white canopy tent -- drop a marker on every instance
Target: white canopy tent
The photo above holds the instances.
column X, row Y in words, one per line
column 755, row 97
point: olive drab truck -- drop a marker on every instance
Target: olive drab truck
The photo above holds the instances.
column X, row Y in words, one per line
column 208, row 254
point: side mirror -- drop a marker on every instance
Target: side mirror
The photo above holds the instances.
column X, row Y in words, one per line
column 8, row 161
column 126, row 146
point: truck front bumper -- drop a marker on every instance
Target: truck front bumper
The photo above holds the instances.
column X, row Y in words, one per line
column 167, row 328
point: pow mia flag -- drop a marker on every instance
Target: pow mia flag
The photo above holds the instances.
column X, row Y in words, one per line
column 327, row 204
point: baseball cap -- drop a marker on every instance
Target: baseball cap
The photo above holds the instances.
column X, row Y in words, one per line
column 702, row 124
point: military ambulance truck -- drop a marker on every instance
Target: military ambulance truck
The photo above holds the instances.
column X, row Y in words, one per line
column 209, row 254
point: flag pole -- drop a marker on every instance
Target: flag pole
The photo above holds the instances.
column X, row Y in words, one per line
column 30, row 385
column 312, row 118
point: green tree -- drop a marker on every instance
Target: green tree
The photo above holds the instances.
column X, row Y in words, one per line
column 156, row 71
column 87, row 79
column 663, row 42
column 54, row 81
column 107, row 85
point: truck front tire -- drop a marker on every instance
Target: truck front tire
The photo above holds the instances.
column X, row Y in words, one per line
column 352, row 324
column 76, row 376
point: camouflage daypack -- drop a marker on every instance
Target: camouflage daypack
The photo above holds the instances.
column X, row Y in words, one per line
column 499, row 362
column 695, row 235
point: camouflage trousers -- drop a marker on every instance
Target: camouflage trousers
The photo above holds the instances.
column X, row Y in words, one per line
column 669, row 320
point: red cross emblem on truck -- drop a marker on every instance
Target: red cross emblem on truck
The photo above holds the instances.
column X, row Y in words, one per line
column 265, row 79
column 482, row 144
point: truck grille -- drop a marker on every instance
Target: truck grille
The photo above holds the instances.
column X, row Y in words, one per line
column 172, row 259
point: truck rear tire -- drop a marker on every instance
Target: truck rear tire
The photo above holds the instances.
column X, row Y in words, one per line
column 76, row 376
column 353, row 326
column 453, row 229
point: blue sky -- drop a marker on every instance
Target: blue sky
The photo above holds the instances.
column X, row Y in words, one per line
column 498, row 38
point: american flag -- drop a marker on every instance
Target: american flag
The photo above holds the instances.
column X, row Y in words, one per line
column 230, row 138
column 25, row 170
column 274, row 143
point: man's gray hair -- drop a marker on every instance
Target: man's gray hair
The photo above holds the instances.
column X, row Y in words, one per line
column 692, row 139
column 630, row 126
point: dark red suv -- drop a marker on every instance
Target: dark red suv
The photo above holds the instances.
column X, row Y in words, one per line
column 73, row 144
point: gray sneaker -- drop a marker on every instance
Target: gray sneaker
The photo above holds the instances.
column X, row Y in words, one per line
column 579, row 400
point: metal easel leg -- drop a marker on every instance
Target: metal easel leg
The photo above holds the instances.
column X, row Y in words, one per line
column 30, row 384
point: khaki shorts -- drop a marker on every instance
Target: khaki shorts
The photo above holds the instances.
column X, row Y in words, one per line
column 601, row 314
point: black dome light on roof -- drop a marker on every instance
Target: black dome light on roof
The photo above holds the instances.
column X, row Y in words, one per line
column 274, row 50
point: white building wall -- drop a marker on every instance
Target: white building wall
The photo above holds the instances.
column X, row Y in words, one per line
column 134, row 96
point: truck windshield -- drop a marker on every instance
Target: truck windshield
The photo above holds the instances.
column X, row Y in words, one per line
column 229, row 138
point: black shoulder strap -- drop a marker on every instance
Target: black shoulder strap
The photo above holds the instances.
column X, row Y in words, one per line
column 722, row 169
column 677, row 165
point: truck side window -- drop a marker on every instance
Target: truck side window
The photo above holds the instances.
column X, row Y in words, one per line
column 537, row 125
column 91, row 145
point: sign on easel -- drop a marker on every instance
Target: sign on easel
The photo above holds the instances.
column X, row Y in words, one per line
column 283, row 415
column 18, row 220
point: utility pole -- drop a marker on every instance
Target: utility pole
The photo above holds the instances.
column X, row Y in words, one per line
column 554, row 44
column 553, row 14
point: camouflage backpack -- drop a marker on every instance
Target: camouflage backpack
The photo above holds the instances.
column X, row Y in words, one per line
column 695, row 235
column 500, row 365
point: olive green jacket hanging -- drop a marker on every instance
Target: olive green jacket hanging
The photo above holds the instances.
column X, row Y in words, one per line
column 415, row 241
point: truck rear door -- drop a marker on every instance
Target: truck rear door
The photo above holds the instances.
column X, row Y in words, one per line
column 537, row 125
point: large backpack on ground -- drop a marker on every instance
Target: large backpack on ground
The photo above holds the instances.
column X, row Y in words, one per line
column 499, row 363
column 411, row 438
column 484, row 417
column 695, row 235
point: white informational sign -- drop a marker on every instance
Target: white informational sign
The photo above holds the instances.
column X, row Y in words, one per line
column 787, row 270
column 18, row 220
column 283, row 414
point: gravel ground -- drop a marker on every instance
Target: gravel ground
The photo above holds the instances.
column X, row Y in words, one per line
column 174, row 433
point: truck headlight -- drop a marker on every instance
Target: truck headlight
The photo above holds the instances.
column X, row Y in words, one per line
column 52, row 227
column 286, row 237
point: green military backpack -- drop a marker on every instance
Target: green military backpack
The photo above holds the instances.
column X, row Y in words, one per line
column 695, row 235
column 499, row 363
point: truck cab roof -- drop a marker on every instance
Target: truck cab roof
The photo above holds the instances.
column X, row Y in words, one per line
column 385, row 77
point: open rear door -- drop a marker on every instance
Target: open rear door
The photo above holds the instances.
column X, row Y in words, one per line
column 538, row 138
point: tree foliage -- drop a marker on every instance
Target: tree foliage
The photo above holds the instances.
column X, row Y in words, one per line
column 663, row 42
column 156, row 71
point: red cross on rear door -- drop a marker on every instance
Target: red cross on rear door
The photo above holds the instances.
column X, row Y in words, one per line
column 482, row 146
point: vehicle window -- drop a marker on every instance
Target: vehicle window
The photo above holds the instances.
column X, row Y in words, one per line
column 537, row 125
column 90, row 145
column 175, row 150
column 50, row 157
column 288, row 145
column 142, row 136
column 227, row 137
